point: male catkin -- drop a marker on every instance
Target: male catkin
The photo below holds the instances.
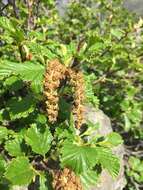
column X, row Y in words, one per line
column 77, row 82
column 66, row 180
column 55, row 72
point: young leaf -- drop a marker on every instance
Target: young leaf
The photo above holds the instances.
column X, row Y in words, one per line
column 78, row 158
column 19, row 171
column 39, row 139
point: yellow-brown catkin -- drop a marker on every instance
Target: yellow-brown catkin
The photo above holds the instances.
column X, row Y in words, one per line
column 66, row 180
column 55, row 72
column 77, row 82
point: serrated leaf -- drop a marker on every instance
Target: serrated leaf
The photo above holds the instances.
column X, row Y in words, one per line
column 41, row 51
column 19, row 171
column 89, row 179
column 3, row 133
column 14, row 147
column 28, row 71
column 108, row 161
column 39, row 139
column 20, row 108
column 78, row 158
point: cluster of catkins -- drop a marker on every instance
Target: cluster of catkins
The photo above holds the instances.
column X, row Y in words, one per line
column 56, row 72
column 66, row 180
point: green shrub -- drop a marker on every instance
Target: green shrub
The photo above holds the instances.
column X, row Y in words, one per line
column 99, row 41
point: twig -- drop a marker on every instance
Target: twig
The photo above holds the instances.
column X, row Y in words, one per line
column 134, row 153
column 136, row 185
column 15, row 9
column 4, row 7
column 101, row 79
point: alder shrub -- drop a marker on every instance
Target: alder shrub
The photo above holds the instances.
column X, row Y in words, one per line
column 51, row 67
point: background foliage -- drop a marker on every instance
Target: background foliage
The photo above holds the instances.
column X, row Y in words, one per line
column 98, row 37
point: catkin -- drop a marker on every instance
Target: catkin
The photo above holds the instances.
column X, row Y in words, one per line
column 77, row 82
column 66, row 180
column 55, row 72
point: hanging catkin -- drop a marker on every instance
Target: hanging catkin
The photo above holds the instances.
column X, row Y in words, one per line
column 66, row 180
column 55, row 72
column 77, row 82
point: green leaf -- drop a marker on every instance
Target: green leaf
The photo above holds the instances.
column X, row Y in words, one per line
column 14, row 147
column 28, row 71
column 20, row 108
column 2, row 165
column 6, row 24
column 11, row 27
column 89, row 93
column 41, row 118
column 108, row 161
column 45, row 180
column 42, row 181
column 19, row 171
column 97, row 46
column 4, row 116
column 127, row 122
column 78, row 158
column 83, row 158
column 112, row 139
column 13, row 83
column 89, row 179
column 3, row 133
column 41, row 51
column 135, row 163
column 117, row 33
column 39, row 139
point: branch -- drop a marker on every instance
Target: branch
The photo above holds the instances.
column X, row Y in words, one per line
column 30, row 20
column 4, row 7
column 15, row 9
